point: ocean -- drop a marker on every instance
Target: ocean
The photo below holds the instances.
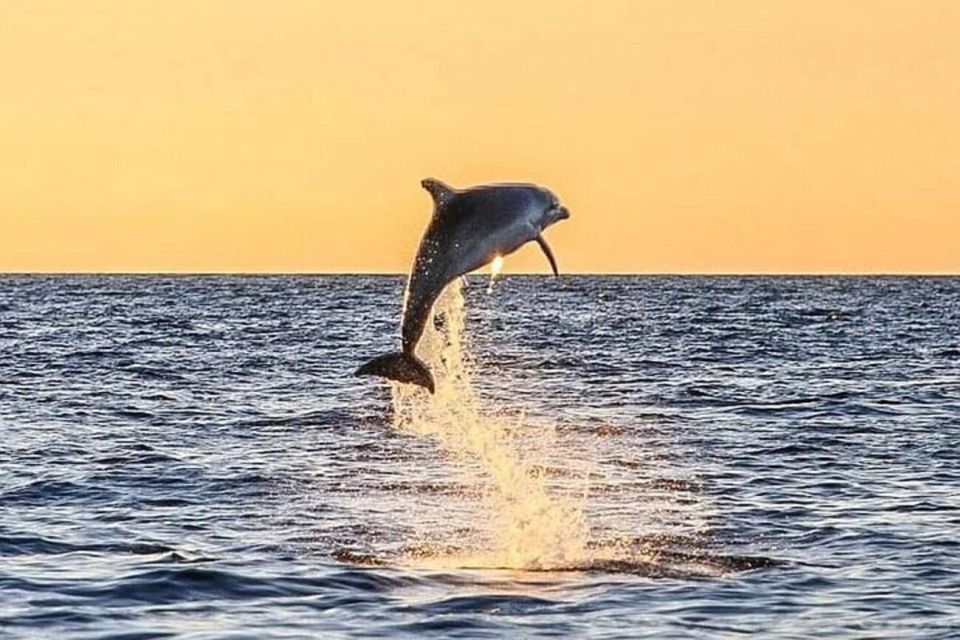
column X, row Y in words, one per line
column 605, row 457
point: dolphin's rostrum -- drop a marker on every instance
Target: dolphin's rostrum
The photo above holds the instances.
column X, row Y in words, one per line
column 469, row 228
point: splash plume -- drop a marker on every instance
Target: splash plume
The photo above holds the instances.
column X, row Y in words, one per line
column 532, row 527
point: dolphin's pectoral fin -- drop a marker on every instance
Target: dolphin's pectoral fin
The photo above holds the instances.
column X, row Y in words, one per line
column 546, row 250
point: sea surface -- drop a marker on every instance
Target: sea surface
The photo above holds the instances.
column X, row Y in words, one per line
column 605, row 457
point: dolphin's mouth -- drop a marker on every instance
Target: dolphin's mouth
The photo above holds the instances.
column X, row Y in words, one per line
column 557, row 213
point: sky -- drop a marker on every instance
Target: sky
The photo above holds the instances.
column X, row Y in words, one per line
column 750, row 136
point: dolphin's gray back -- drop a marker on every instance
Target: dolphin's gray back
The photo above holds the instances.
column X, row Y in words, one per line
column 480, row 211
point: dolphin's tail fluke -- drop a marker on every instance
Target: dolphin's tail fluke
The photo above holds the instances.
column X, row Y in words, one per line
column 399, row 366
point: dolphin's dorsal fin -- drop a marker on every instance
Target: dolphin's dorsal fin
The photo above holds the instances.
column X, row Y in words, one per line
column 441, row 193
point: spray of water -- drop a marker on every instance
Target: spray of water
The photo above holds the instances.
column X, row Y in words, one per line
column 495, row 268
column 529, row 525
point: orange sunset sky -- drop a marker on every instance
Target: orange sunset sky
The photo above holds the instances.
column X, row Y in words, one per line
column 291, row 135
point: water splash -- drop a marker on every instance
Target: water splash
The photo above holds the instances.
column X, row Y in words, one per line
column 533, row 516
column 532, row 525
column 495, row 268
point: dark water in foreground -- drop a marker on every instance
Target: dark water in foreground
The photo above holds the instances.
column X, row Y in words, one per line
column 190, row 457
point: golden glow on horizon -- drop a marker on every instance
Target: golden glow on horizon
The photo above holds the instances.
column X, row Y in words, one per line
column 693, row 136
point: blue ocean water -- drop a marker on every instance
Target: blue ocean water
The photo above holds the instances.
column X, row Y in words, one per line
column 191, row 457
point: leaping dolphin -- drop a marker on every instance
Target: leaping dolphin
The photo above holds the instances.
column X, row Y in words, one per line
column 469, row 228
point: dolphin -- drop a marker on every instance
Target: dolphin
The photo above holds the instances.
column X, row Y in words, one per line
column 470, row 227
